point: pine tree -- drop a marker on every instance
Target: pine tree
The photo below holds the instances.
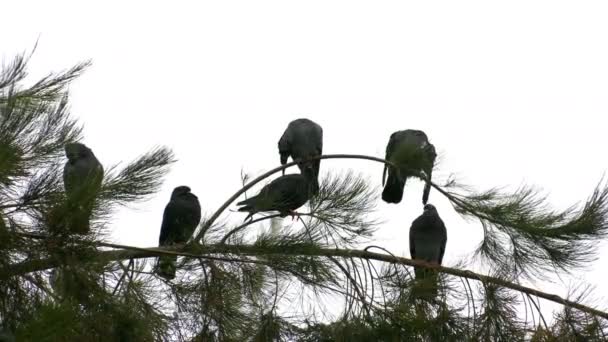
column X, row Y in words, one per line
column 232, row 283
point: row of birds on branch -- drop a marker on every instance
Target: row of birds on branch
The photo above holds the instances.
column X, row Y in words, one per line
column 302, row 140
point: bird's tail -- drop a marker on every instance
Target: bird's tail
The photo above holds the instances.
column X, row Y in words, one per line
column 425, row 193
column 166, row 266
column 393, row 190
column 312, row 176
column 427, row 282
column 246, row 208
column 427, row 185
column 79, row 222
column 248, row 203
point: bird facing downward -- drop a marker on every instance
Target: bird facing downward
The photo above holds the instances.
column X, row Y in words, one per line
column 82, row 178
column 302, row 139
column 411, row 150
column 180, row 218
column 428, row 238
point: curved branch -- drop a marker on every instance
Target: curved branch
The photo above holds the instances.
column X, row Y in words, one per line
column 249, row 185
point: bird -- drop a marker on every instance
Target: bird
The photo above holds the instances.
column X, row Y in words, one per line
column 181, row 217
column 82, row 178
column 284, row 194
column 428, row 238
column 412, row 151
column 303, row 138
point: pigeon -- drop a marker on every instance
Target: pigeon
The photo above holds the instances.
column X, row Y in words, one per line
column 182, row 215
column 284, row 194
column 410, row 148
column 302, row 139
column 428, row 238
column 82, row 177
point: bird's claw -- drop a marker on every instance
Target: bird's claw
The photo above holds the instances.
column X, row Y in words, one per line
column 293, row 214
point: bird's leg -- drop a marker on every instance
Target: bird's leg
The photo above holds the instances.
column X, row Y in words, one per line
column 293, row 214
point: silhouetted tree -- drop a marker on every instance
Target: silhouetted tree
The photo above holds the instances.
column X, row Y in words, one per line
column 234, row 285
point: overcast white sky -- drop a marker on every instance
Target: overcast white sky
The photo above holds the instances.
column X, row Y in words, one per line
column 508, row 93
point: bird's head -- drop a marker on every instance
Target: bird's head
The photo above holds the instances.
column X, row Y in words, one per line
column 180, row 190
column 430, row 209
column 76, row 151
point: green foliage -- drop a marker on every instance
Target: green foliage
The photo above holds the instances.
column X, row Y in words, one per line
column 110, row 321
column 523, row 234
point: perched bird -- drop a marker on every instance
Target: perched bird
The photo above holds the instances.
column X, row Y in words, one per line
column 182, row 215
column 302, row 139
column 82, row 177
column 284, row 194
column 412, row 151
column 428, row 238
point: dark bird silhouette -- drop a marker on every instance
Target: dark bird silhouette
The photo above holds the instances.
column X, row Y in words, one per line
column 428, row 238
column 82, row 177
column 411, row 150
column 180, row 218
column 284, row 194
column 302, row 139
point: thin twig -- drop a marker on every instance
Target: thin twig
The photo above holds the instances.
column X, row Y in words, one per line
column 245, row 225
column 542, row 317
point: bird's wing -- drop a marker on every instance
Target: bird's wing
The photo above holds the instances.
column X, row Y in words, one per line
column 412, row 242
column 283, row 191
column 192, row 213
column 68, row 170
column 171, row 222
column 320, row 140
column 85, row 172
column 390, row 149
column 444, row 240
column 99, row 172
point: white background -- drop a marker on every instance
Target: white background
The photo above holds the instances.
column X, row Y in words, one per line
column 512, row 93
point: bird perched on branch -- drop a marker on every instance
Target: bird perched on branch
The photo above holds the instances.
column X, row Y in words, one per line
column 82, row 177
column 180, row 218
column 302, row 139
column 411, row 151
column 284, row 194
column 428, row 238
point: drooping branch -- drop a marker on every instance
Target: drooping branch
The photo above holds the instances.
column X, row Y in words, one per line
column 131, row 252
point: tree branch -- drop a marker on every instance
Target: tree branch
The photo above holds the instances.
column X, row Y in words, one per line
column 130, row 252
column 249, row 185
